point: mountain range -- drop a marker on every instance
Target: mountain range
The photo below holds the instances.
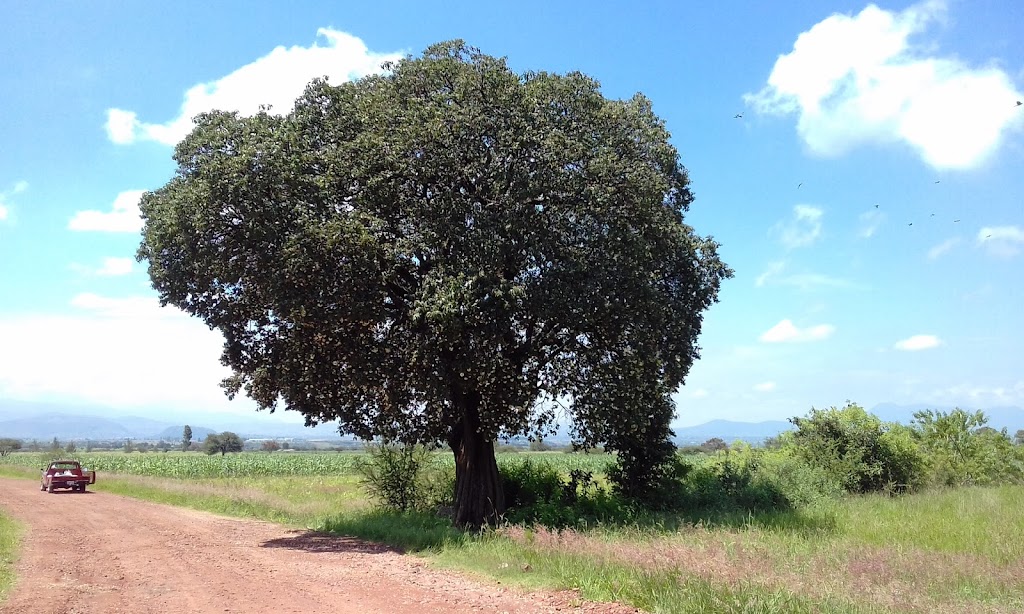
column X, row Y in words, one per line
column 42, row 422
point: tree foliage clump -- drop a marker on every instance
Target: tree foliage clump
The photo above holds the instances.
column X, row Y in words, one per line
column 223, row 443
column 860, row 451
column 8, row 445
column 429, row 254
column 403, row 478
column 186, row 438
column 963, row 450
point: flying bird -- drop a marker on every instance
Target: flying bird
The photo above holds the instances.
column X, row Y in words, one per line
column 876, row 206
column 910, row 224
column 740, row 115
column 1019, row 103
column 955, row 221
column 799, row 184
column 932, row 215
column 938, row 181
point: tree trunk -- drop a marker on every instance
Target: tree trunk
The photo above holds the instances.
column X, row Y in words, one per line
column 479, row 496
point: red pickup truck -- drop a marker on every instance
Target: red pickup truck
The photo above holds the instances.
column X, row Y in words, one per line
column 66, row 474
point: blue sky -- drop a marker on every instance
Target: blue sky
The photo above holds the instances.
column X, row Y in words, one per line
column 870, row 198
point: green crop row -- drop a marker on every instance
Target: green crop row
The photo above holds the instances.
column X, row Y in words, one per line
column 255, row 464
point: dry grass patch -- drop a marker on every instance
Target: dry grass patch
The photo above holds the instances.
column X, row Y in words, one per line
column 895, row 578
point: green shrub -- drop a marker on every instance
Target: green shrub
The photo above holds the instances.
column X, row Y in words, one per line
column 537, row 493
column 962, row 450
column 405, row 478
column 858, row 450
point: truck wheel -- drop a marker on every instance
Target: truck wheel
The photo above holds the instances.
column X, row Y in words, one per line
column 49, row 488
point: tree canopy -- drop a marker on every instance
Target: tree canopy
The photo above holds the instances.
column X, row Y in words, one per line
column 428, row 254
column 224, row 442
column 8, row 445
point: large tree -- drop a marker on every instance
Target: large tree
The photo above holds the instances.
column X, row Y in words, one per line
column 429, row 254
column 224, row 442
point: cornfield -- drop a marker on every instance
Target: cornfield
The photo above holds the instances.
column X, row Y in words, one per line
column 256, row 464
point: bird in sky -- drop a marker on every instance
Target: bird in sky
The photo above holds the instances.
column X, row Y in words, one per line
column 932, row 215
column 1019, row 103
column 740, row 115
column 876, row 206
column 955, row 221
column 938, row 181
column 799, row 184
column 910, row 224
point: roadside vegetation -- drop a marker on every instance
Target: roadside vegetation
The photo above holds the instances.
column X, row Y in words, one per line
column 843, row 514
column 10, row 534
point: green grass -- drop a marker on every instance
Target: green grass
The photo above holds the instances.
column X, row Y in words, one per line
column 947, row 550
column 10, row 536
column 985, row 522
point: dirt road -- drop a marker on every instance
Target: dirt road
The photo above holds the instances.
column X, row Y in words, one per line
column 101, row 553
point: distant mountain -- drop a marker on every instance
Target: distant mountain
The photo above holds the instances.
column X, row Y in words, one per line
column 64, row 427
column 175, row 433
column 44, row 421
column 729, row 430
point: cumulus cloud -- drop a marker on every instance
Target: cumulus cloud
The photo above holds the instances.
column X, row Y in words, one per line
column 275, row 79
column 121, row 126
column 802, row 229
column 786, row 332
column 1002, row 241
column 764, row 387
column 917, row 343
column 122, row 217
column 855, row 80
column 938, row 250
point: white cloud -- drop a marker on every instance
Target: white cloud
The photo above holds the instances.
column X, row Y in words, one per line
column 965, row 394
column 276, row 79
column 111, row 267
column 942, row 248
column 918, row 342
column 115, row 267
column 786, row 332
column 855, row 80
column 121, row 126
column 773, row 275
column 802, row 229
column 1003, row 241
column 6, row 212
column 117, row 352
column 806, row 281
column 123, row 217
column 774, row 268
column 870, row 220
column 764, row 387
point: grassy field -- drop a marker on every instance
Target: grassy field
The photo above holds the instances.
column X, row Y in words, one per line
column 939, row 551
column 10, row 533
